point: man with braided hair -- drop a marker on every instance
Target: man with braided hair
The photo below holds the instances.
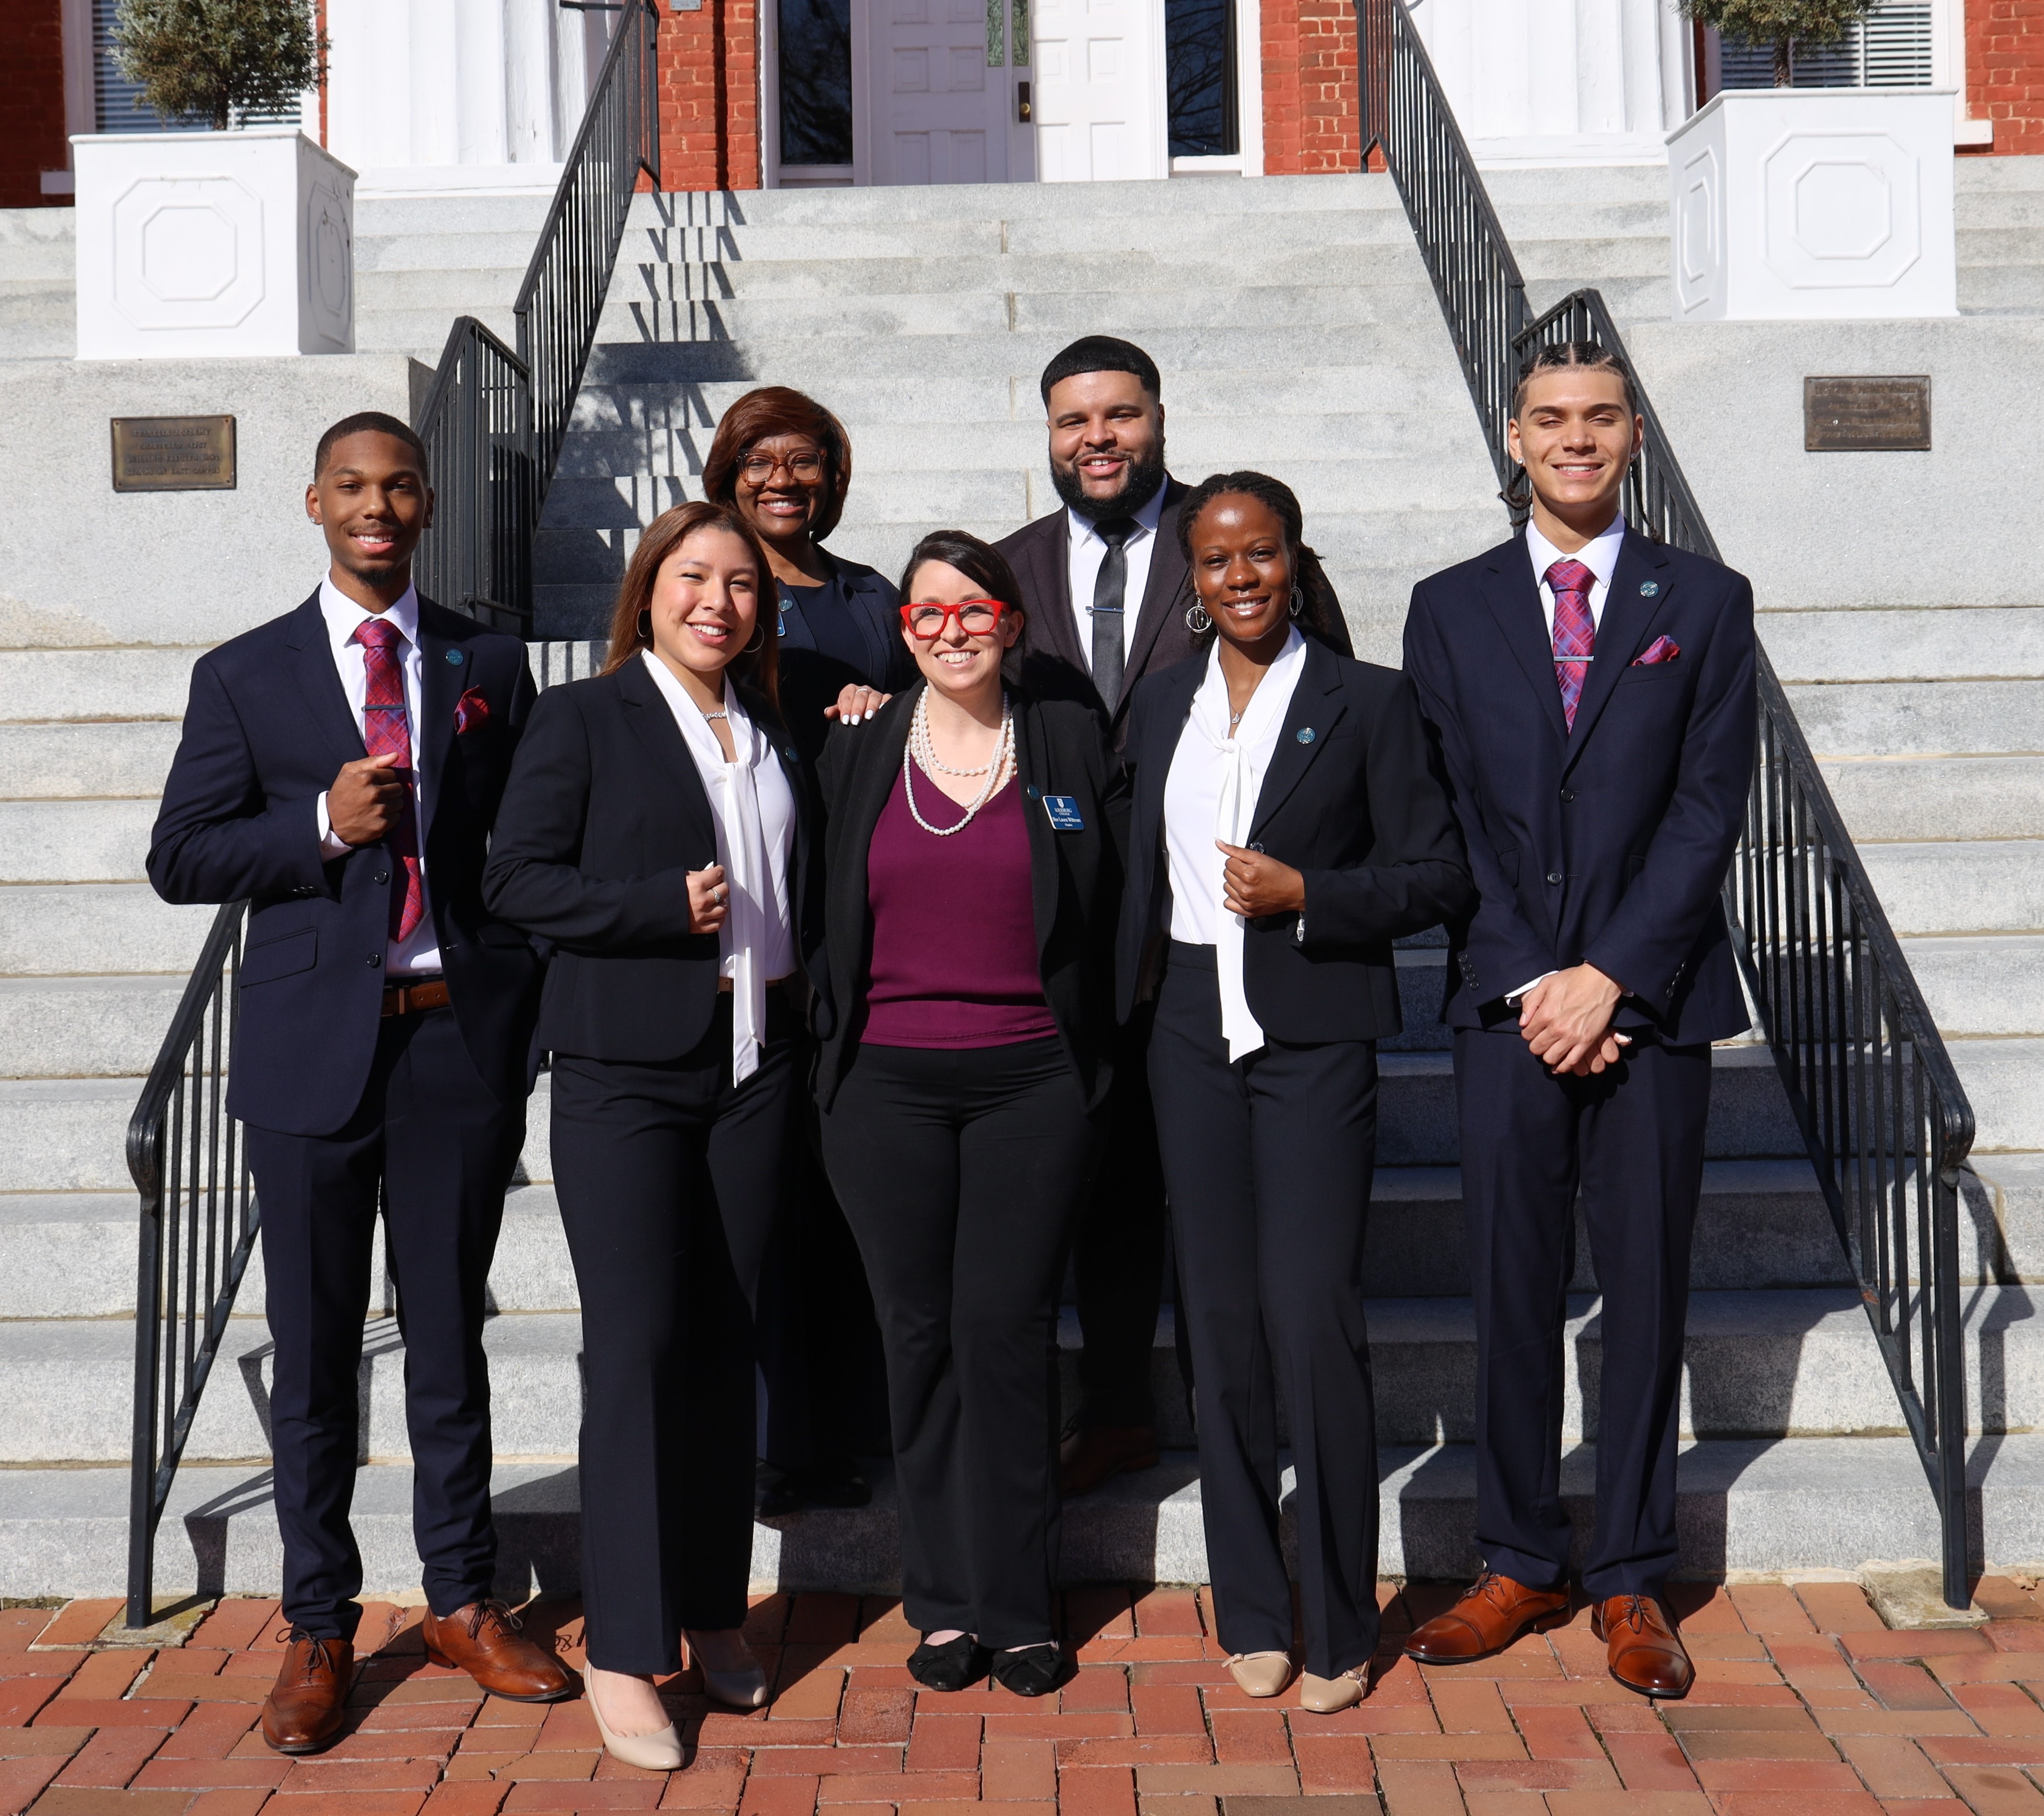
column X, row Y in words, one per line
column 1591, row 693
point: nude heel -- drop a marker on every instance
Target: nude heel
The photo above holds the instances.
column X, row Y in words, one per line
column 660, row 1751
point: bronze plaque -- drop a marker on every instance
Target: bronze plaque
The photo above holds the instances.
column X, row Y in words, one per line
column 1873, row 415
column 174, row 454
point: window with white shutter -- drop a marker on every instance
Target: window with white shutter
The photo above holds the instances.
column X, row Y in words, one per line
column 1889, row 49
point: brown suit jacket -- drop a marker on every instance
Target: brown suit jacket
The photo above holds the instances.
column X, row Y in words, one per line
column 1053, row 666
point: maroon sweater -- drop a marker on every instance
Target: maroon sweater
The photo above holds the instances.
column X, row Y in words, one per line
column 955, row 959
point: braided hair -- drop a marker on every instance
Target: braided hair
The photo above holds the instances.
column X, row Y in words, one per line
column 1320, row 615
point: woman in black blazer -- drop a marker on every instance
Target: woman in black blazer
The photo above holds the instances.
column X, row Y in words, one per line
column 1286, row 827
column 656, row 830
column 974, row 872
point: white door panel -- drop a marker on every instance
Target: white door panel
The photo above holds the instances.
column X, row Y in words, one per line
column 1100, row 90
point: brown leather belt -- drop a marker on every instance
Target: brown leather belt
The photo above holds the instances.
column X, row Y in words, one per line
column 402, row 999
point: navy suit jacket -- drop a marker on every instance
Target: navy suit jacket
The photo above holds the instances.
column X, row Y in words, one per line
column 1351, row 800
column 266, row 730
column 1607, row 844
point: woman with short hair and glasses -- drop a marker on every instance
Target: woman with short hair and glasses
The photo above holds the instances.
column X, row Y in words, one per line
column 783, row 462
column 973, row 856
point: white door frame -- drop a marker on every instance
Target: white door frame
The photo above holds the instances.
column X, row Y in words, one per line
column 1248, row 160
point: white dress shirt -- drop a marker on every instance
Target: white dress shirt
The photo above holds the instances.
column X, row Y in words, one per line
column 1085, row 551
column 421, row 954
column 1599, row 555
column 754, row 811
column 1210, row 794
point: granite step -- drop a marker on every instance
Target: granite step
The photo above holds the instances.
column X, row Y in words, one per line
column 1744, row 1505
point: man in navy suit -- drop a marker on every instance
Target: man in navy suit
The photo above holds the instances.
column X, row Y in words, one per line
column 1593, row 694
column 340, row 769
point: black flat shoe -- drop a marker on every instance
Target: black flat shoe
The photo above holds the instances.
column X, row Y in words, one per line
column 1034, row 1671
column 795, row 1491
column 951, row 1666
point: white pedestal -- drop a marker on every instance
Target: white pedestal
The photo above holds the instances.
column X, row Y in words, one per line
column 1814, row 203
column 211, row 244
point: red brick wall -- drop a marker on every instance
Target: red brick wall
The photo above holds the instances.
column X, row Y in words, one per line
column 2005, row 70
column 709, row 96
column 31, row 102
column 1310, row 118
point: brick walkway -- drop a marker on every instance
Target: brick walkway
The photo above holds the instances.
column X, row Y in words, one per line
column 1806, row 1706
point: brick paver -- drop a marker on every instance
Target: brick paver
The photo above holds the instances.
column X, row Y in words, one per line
column 1805, row 1705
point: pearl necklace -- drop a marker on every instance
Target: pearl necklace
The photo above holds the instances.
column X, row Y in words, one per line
column 919, row 749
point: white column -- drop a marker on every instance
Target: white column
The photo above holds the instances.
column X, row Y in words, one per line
column 1560, row 81
column 446, row 96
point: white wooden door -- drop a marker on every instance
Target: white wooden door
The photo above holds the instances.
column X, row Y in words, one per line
column 1099, row 105
column 943, row 92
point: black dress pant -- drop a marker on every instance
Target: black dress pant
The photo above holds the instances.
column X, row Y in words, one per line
column 1268, row 1161
column 1632, row 1139
column 820, row 1355
column 1118, row 1252
column 433, row 1138
column 961, row 1171
column 669, row 1177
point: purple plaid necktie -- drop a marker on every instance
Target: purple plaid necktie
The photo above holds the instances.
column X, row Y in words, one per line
column 386, row 727
column 1575, row 631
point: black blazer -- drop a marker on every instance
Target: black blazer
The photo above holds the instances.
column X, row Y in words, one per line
column 1076, row 875
column 1351, row 800
column 1608, row 844
column 1052, row 665
column 811, row 680
column 604, row 815
column 266, row 730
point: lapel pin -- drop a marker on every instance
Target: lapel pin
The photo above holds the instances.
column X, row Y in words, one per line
column 454, row 656
column 1648, row 589
column 1305, row 734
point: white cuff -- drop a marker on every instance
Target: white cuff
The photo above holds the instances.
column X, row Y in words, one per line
column 1512, row 997
column 332, row 845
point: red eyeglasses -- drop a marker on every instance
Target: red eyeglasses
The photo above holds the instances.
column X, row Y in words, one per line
column 976, row 617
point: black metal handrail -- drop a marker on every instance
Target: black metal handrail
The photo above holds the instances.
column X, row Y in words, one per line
column 561, row 301
column 492, row 422
column 199, row 1219
column 477, row 424
column 1874, row 1092
column 494, row 419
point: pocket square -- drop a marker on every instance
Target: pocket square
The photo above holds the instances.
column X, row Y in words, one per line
column 1661, row 649
column 472, row 710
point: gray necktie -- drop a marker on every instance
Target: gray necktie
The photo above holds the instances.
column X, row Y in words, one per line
column 1109, row 585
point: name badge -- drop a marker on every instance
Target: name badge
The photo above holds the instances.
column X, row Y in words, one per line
column 1064, row 811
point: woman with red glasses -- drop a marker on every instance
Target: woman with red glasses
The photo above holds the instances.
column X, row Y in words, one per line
column 972, row 859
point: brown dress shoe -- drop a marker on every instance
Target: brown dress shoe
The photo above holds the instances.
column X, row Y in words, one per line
column 483, row 1639
column 1645, row 1653
column 1093, row 1452
column 304, row 1710
column 1493, row 1612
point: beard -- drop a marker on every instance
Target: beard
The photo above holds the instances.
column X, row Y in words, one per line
column 1141, row 479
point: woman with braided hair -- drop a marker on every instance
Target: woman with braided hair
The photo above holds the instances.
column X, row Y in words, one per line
column 1286, row 826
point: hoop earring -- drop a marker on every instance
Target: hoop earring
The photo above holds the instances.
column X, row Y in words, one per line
column 758, row 641
column 1298, row 602
column 1197, row 620
column 645, row 624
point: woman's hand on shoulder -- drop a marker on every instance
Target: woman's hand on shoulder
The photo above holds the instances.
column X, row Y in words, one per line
column 856, row 703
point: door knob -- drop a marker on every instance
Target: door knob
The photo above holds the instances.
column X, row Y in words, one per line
column 1022, row 103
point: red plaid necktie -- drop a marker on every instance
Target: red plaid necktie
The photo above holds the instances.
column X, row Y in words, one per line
column 1575, row 631
column 386, row 728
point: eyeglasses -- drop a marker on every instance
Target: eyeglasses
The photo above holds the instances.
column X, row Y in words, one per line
column 976, row 617
column 760, row 468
